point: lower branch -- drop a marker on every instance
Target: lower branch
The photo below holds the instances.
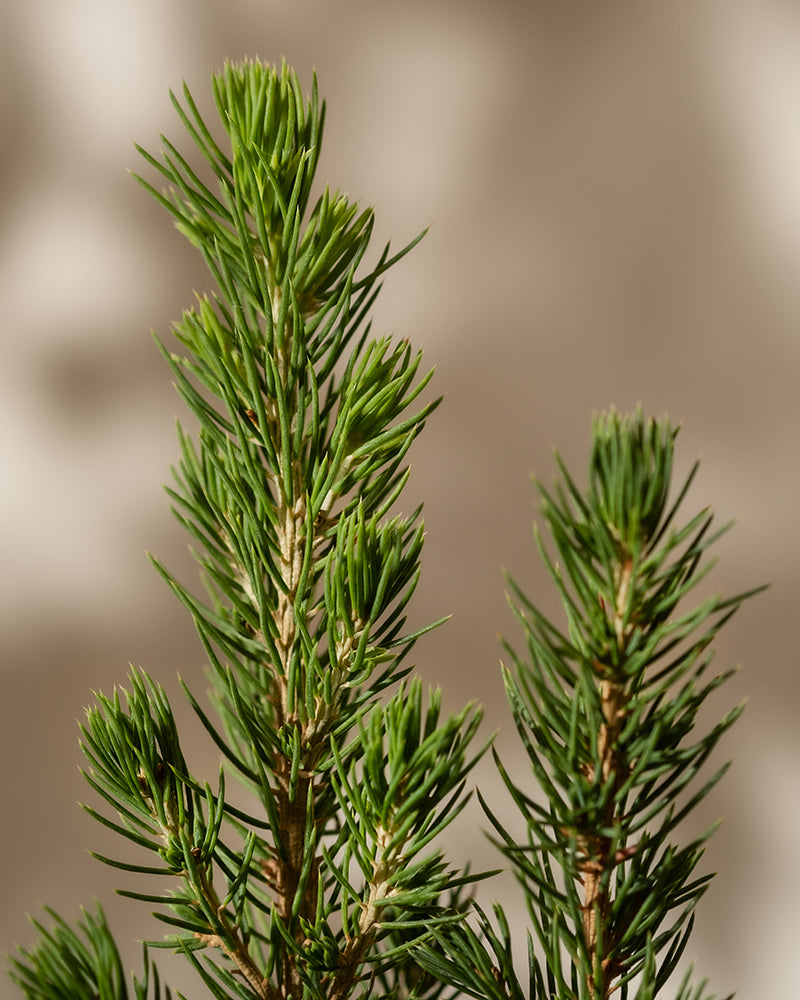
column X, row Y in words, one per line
column 262, row 988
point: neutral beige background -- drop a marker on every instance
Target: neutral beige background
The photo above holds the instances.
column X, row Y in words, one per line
column 614, row 195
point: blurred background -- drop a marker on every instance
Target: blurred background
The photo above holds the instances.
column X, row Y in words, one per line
column 613, row 192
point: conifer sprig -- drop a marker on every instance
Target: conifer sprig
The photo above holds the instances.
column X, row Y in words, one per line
column 606, row 710
column 81, row 963
column 322, row 879
column 606, row 713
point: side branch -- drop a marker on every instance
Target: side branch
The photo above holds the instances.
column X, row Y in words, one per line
column 263, row 989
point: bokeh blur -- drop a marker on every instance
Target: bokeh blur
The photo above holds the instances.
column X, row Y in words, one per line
column 613, row 192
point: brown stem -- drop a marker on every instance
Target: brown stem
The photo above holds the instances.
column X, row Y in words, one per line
column 599, row 855
column 260, row 986
column 235, row 949
column 286, row 873
column 284, row 870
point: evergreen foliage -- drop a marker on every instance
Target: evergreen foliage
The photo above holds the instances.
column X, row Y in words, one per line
column 331, row 881
column 606, row 711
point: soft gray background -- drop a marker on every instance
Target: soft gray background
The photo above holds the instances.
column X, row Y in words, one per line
column 614, row 195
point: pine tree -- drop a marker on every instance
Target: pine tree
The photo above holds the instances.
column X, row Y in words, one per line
column 331, row 881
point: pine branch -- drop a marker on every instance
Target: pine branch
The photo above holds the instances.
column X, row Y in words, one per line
column 288, row 490
column 606, row 712
column 81, row 964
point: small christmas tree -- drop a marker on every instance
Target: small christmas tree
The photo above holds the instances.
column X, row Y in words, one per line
column 331, row 882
